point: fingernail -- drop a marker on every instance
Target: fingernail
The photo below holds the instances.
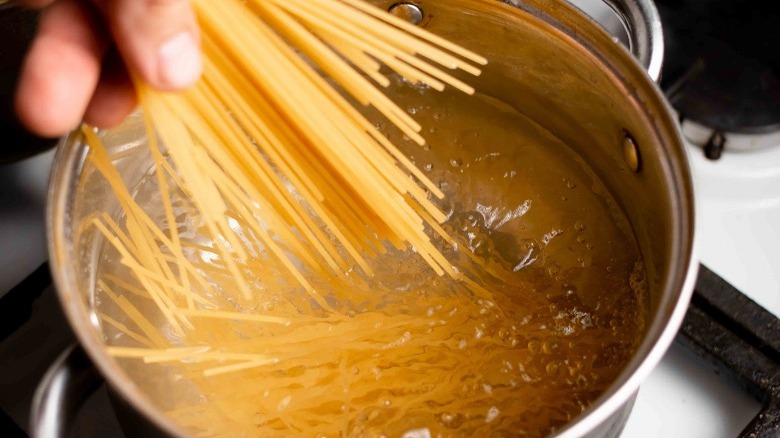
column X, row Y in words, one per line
column 180, row 64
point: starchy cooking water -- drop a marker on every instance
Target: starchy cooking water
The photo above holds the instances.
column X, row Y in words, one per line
column 554, row 308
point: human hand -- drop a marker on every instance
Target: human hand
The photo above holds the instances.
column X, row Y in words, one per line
column 77, row 67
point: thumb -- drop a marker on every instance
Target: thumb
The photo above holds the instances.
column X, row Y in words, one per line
column 158, row 40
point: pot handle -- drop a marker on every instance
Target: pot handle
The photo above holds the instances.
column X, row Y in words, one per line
column 645, row 34
column 64, row 388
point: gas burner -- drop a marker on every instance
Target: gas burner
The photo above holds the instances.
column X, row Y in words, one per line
column 722, row 71
column 715, row 141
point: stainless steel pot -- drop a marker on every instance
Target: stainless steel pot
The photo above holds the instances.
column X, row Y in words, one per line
column 551, row 63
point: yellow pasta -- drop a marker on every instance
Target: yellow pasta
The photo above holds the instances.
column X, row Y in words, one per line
column 261, row 117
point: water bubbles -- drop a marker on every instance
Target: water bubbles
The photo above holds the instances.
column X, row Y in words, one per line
column 428, row 167
column 534, row 346
column 387, row 403
column 579, row 226
column 284, row 403
column 417, row 433
column 548, row 237
column 551, row 346
column 636, row 279
column 400, row 341
column 456, row 162
column 450, row 420
column 582, row 318
column 491, row 414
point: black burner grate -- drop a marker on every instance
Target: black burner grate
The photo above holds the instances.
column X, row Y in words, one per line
column 742, row 339
column 722, row 67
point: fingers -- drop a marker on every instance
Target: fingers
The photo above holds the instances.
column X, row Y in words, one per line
column 158, row 40
column 61, row 69
column 114, row 97
column 61, row 79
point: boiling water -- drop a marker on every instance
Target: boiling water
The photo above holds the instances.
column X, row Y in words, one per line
column 414, row 354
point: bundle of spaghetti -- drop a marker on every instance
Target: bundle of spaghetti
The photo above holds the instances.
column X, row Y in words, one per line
column 276, row 134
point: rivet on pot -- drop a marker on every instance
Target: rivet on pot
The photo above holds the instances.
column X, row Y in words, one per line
column 407, row 11
column 631, row 154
